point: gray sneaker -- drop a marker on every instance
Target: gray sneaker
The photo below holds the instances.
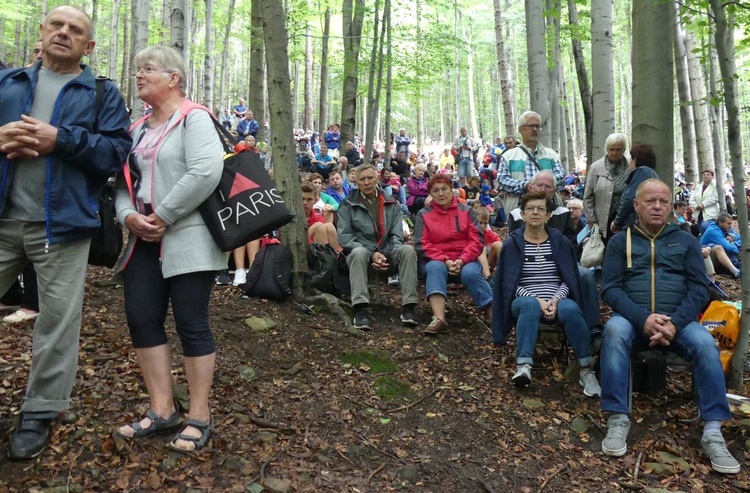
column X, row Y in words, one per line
column 716, row 449
column 522, row 377
column 588, row 381
column 615, row 443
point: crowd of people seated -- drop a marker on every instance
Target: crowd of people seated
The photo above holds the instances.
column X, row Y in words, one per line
column 458, row 202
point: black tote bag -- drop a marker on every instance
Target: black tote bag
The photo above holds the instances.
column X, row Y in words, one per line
column 246, row 205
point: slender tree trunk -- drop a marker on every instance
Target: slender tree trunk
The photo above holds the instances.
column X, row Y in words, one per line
column 255, row 100
column 178, row 29
column 373, row 90
column 307, row 119
column 420, row 99
column 286, row 174
column 456, row 75
column 353, row 13
column 714, row 112
column 699, row 105
column 94, row 55
column 686, row 114
column 323, row 100
column 725, row 51
column 653, row 92
column 388, row 81
column 225, row 58
column 208, row 67
column 126, row 81
column 555, row 118
column 470, row 80
column 539, row 84
column 583, row 83
column 114, row 22
column 140, row 42
column 502, row 70
column 602, row 74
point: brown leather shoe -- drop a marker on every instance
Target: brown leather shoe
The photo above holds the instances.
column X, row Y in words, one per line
column 436, row 326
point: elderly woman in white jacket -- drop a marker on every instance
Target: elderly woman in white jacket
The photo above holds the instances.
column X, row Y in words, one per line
column 705, row 200
column 175, row 163
column 605, row 184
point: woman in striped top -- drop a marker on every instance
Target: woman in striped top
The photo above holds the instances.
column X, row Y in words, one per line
column 537, row 281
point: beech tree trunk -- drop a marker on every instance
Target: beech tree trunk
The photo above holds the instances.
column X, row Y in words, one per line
column 555, row 115
column 177, row 27
column 686, row 114
column 307, row 118
column 539, row 84
column 223, row 100
column 373, row 88
column 286, row 174
column 470, row 79
column 113, row 43
column 208, row 64
column 583, row 83
column 653, row 89
column 353, row 14
column 602, row 74
column 323, row 100
column 140, row 42
column 725, row 52
column 388, row 82
column 502, row 70
column 700, row 111
column 715, row 112
column 255, row 100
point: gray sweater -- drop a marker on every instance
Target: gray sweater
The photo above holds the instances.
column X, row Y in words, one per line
column 187, row 168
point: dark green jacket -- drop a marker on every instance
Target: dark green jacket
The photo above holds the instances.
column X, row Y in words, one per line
column 356, row 226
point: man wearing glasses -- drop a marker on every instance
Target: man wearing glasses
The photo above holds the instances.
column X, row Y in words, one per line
column 520, row 164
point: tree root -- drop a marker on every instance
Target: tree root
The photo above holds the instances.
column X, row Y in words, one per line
column 336, row 307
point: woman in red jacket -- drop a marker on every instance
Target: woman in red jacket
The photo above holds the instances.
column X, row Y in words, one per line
column 449, row 241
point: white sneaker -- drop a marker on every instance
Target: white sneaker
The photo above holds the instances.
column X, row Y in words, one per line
column 393, row 280
column 522, row 377
column 716, row 449
column 615, row 443
column 240, row 277
column 591, row 387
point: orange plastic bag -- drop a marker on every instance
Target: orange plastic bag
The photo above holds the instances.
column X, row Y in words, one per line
column 722, row 320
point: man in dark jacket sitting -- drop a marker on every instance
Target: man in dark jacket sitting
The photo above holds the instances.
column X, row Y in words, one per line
column 371, row 234
column 654, row 280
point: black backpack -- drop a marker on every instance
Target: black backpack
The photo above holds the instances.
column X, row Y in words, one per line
column 321, row 263
column 270, row 276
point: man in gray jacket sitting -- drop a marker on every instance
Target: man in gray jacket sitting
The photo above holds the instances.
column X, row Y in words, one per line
column 371, row 234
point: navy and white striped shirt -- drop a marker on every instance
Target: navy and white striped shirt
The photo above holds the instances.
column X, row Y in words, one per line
column 539, row 275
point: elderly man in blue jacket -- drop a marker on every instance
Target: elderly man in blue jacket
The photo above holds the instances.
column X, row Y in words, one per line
column 654, row 280
column 57, row 149
column 725, row 245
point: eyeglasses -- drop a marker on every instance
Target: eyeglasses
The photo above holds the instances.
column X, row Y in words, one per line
column 535, row 208
column 149, row 70
column 533, row 126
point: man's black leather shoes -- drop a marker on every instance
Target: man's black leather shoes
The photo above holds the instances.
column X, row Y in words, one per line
column 30, row 437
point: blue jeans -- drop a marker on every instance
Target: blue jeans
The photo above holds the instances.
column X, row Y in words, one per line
column 471, row 277
column 693, row 343
column 528, row 314
column 590, row 300
column 465, row 167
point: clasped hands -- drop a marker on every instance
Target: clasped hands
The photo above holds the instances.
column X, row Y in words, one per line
column 379, row 262
column 148, row 228
column 659, row 329
column 27, row 138
column 454, row 267
column 549, row 308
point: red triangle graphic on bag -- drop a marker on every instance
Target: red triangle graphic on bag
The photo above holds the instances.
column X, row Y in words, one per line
column 241, row 184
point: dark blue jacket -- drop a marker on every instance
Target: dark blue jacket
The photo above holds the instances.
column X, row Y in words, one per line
column 508, row 275
column 250, row 125
column 83, row 158
column 669, row 278
column 626, row 212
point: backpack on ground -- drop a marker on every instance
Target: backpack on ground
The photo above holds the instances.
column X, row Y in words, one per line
column 270, row 276
column 321, row 263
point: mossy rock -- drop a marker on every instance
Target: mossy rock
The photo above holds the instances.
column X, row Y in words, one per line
column 374, row 361
column 391, row 388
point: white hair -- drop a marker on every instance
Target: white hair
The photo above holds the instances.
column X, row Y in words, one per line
column 525, row 116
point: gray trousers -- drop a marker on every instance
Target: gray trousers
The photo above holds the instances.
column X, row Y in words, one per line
column 404, row 258
column 61, row 274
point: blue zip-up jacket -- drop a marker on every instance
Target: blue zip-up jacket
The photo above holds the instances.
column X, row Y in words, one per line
column 83, row 158
column 251, row 126
column 714, row 235
column 508, row 275
column 636, row 263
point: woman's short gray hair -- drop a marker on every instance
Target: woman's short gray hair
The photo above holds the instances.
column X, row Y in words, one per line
column 420, row 166
column 616, row 139
column 167, row 58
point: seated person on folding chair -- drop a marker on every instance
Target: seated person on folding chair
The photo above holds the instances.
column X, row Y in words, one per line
column 371, row 234
column 654, row 280
column 724, row 244
column 537, row 279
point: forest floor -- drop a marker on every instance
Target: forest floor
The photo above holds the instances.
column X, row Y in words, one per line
column 308, row 407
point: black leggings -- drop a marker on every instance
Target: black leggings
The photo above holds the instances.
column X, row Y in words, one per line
column 147, row 295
